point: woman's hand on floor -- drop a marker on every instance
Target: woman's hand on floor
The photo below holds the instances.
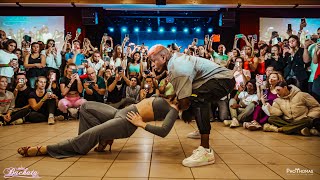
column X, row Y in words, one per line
column 136, row 119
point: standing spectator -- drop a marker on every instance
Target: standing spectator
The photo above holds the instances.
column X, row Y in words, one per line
column 117, row 90
column 134, row 66
column 316, row 82
column 71, row 89
column 42, row 103
column 8, row 60
column 133, row 90
column 76, row 56
column 220, row 57
column 295, row 70
column 95, row 62
column 263, row 54
column 53, row 57
column 94, row 86
column 35, row 63
column 276, row 59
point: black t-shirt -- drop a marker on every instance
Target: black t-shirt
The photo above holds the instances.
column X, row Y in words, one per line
column 33, row 95
column 118, row 92
column 22, row 98
column 66, row 81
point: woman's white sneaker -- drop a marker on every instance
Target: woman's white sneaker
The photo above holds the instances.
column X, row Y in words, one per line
column 194, row 135
column 199, row 157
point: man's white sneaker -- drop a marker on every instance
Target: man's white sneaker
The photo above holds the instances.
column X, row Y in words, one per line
column 305, row 132
column 314, row 132
column 194, row 135
column 227, row 122
column 234, row 123
column 199, row 157
column 270, row 128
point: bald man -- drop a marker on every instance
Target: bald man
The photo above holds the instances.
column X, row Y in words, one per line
column 197, row 83
column 94, row 86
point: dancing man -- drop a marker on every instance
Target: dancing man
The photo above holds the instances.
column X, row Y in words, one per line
column 197, row 83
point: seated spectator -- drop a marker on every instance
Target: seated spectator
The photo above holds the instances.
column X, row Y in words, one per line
column 8, row 60
column 166, row 89
column 71, row 89
column 133, row 90
column 42, row 103
column 148, row 89
column 117, row 90
column 94, row 86
column 267, row 95
column 294, row 112
column 7, row 113
column 53, row 57
column 95, row 62
column 35, row 63
column 54, row 85
column 22, row 91
column 243, row 104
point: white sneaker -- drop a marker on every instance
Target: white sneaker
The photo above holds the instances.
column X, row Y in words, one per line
column 314, row 132
column 73, row 112
column 227, row 122
column 246, row 124
column 194, row 135
column 199, row 157
column 234, row 123
column 305, row 132
column 270, row 128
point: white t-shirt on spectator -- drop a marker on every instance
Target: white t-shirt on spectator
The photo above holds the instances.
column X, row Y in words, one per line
column 246, row 98
column 96, row 66
column 5, row 58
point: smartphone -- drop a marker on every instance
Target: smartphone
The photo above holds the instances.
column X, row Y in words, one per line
column 147, row 71
column 239, row 36
column 27, row 38
column 289, row 27
column 79, row 30
column 90, row 82
column 21, row 81
column 53, row 77
column 195, row 40
column 119, row 68
column 318, row 40
column 272, row 54
column 249, row 36
column 126, row 35
column 22, row 69
column 279, row 39
column 255, row 37
column 275, row 41
column 68, row 33
column 237, row 64
column 74, row 71
column 308, row 36
column 146, row 86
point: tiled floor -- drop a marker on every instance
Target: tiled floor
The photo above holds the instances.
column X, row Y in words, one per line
column 240, row 154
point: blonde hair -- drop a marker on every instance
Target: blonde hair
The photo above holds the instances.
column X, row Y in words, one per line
column 279, row 75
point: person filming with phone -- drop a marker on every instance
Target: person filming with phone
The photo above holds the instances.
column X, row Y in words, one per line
column 94, row 86
column 71, row 90
column 148, row 89
column 53, row 57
